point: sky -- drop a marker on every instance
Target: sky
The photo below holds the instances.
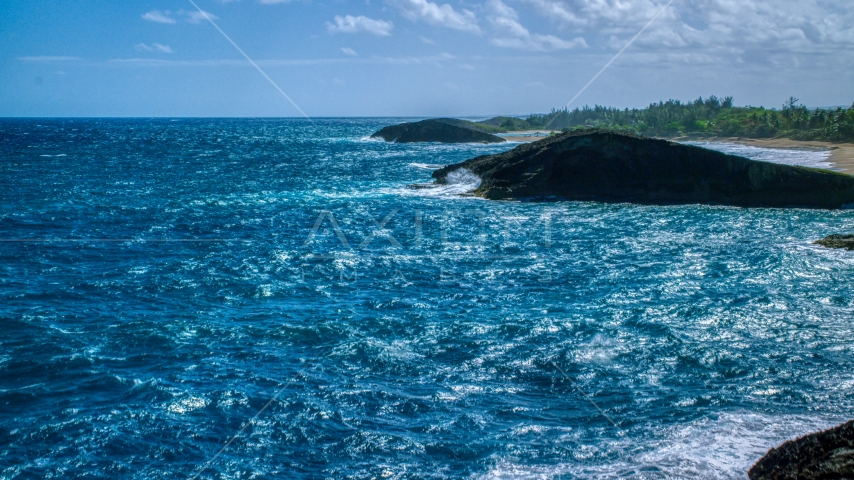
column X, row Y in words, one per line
column 134, row 58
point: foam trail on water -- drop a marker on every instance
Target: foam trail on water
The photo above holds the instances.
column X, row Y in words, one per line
column 427, row 166
column 723, row 448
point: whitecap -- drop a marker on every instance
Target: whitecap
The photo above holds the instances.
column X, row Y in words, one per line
column 187, row 404
column 804, row 157
column 722, row 448
column 427, row 166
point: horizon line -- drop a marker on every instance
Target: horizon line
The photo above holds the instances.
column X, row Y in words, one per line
column 328, row 117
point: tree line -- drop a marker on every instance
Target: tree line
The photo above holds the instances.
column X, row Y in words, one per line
column 702, row 117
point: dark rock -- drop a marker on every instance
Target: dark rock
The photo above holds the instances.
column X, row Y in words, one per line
column 825, row 455
column 445, row 130
column 422, row 186
column 837, row 241
column 613, row 167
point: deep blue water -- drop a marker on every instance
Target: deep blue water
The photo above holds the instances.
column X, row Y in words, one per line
column 163, row 281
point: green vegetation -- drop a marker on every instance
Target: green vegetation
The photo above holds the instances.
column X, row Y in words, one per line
column 505, row 124
column 483, row 127
column 712, row 117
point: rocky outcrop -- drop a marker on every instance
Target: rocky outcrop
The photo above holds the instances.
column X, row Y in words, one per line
column 613, row 167
column 825, row 455
column 837, row 241
column 444, row 130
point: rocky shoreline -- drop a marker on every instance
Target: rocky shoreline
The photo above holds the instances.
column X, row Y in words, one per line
column 601, row 165
column 823, row 455
column 841, row 154
column 837, row 241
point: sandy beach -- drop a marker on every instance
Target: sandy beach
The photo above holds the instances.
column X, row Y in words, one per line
column 525, row 135
column 841, row 154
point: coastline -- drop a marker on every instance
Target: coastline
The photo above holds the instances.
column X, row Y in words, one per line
column 841, row 154
column 525, row 135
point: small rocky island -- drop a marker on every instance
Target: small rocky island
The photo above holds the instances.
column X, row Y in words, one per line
column 444, row 130
column 823, row 455
column 601, row 165
column 837, row 241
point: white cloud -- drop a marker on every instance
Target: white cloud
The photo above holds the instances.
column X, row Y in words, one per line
column 360, row 24
column 154, row 47
column 428, row 60
column 48, row 58
column 599, row 13
column 162, row 48
column 794, row 25
column 196, row 16
column 437, row 15
column 511, row 34
column 557, row 11
column 437, row 60
column 158, row 17
column 193, row 16
column 349, row 51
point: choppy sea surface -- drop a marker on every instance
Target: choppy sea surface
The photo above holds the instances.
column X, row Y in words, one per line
column 266, row 298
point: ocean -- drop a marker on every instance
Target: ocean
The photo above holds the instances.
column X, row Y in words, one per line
column 265, row 298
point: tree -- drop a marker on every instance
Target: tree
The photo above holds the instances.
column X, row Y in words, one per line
column 791, row 103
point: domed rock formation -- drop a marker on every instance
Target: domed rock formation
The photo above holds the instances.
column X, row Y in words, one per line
column 607, row 166
column 444, row 130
